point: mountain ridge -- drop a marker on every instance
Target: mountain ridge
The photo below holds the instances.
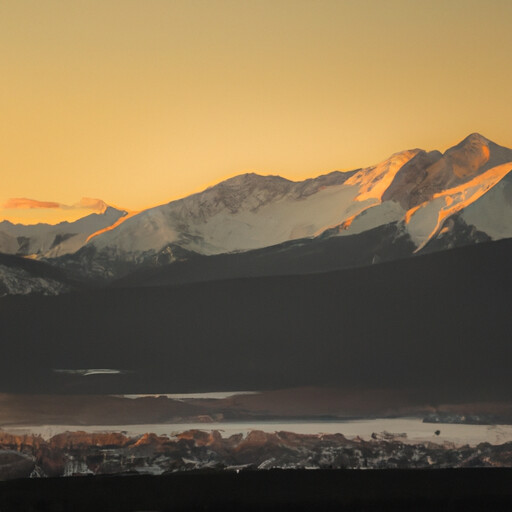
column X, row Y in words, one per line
column 435, row 199
column 421, row 191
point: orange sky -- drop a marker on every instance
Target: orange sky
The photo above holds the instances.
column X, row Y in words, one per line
column 138, row 102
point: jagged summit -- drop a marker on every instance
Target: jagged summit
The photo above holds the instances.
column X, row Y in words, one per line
column 250, row 188
column 475, row 147
column 250, row 178
column 474, row 137
column 253, row 179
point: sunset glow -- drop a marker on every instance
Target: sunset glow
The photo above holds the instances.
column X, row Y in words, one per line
column 140, row 102
column 110, row 228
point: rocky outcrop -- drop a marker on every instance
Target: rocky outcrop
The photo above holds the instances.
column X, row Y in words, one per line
column 429, row 173
column 81, row 453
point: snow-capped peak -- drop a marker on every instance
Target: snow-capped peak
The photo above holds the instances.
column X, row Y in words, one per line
column 414, row 189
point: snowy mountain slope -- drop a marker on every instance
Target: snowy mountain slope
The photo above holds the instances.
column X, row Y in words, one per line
column 251, row 211
column 414, row 191
column 426, row 220
column 430, row 188
column 46, row 240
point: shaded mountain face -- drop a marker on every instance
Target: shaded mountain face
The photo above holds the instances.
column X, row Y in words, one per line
column 439, row 322
column 322, row 254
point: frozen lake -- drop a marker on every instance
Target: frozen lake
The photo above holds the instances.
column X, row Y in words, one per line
column 216, row 395
column 415, row 430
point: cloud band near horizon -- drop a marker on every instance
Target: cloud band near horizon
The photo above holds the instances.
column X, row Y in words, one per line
column 24, row 203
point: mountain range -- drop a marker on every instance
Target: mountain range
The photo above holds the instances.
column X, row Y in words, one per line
column 412, row 203
column 395, row 276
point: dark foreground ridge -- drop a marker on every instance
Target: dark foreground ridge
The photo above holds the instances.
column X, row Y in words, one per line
column 276, row 490
column 440, row 322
